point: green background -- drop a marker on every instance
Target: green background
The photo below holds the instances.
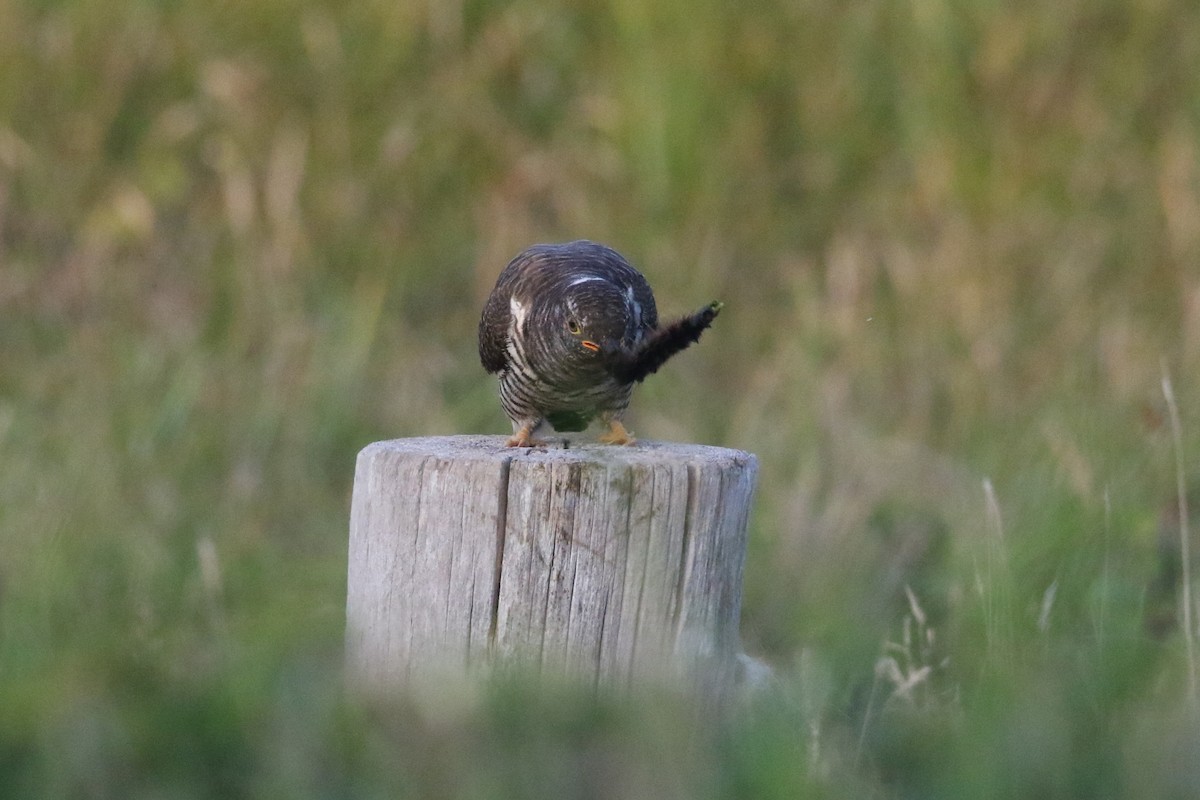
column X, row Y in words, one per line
column 959, row 247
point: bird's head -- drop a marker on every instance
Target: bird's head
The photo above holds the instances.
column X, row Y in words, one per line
column 596, row 317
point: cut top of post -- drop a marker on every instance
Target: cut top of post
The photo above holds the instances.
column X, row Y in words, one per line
column 490, row 448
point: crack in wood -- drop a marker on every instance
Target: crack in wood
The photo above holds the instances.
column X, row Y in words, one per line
column 501, row 533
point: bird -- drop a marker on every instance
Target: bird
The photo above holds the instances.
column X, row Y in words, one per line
column 569, row 329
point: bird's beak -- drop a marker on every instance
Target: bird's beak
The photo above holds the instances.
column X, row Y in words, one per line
column 590, row 345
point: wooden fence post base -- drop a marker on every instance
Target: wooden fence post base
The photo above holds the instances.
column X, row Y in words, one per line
column 607, row 564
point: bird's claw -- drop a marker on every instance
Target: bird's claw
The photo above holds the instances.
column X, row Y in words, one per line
column 617, row 434
column 523, row 437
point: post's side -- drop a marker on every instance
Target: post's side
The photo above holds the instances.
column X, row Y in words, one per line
column 604, row 563
column 422, row 560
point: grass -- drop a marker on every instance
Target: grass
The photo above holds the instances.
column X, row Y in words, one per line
column 956, row 243
column 1185, row 576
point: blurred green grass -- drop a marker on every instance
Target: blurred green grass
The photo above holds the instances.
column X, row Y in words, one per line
column 956, row 241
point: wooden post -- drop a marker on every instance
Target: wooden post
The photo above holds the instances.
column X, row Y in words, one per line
column 610, row 564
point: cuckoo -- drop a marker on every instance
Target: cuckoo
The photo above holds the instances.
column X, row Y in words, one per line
column 570, row 329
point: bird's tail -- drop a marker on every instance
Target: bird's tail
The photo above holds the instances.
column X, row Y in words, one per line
column 633, row 364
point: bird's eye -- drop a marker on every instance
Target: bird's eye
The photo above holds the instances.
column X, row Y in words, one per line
column 573, row 325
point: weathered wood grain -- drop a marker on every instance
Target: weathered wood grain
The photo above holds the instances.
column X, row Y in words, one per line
column 599, row 562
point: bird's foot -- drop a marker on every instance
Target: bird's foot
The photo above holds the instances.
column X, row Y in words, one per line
column 616, row 434
column 523, row 437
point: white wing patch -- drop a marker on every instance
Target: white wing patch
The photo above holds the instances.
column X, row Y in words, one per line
column 584, row 279
column 635, row 308
column 518, row 311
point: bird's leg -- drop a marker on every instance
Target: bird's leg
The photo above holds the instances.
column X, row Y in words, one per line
column 523, row 434
column 616, row 432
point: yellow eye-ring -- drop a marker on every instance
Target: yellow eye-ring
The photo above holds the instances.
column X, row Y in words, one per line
column 573, row 325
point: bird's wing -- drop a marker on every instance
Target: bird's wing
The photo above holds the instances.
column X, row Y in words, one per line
column 493, row 326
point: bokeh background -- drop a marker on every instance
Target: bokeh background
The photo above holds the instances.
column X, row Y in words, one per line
column 959, row 247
